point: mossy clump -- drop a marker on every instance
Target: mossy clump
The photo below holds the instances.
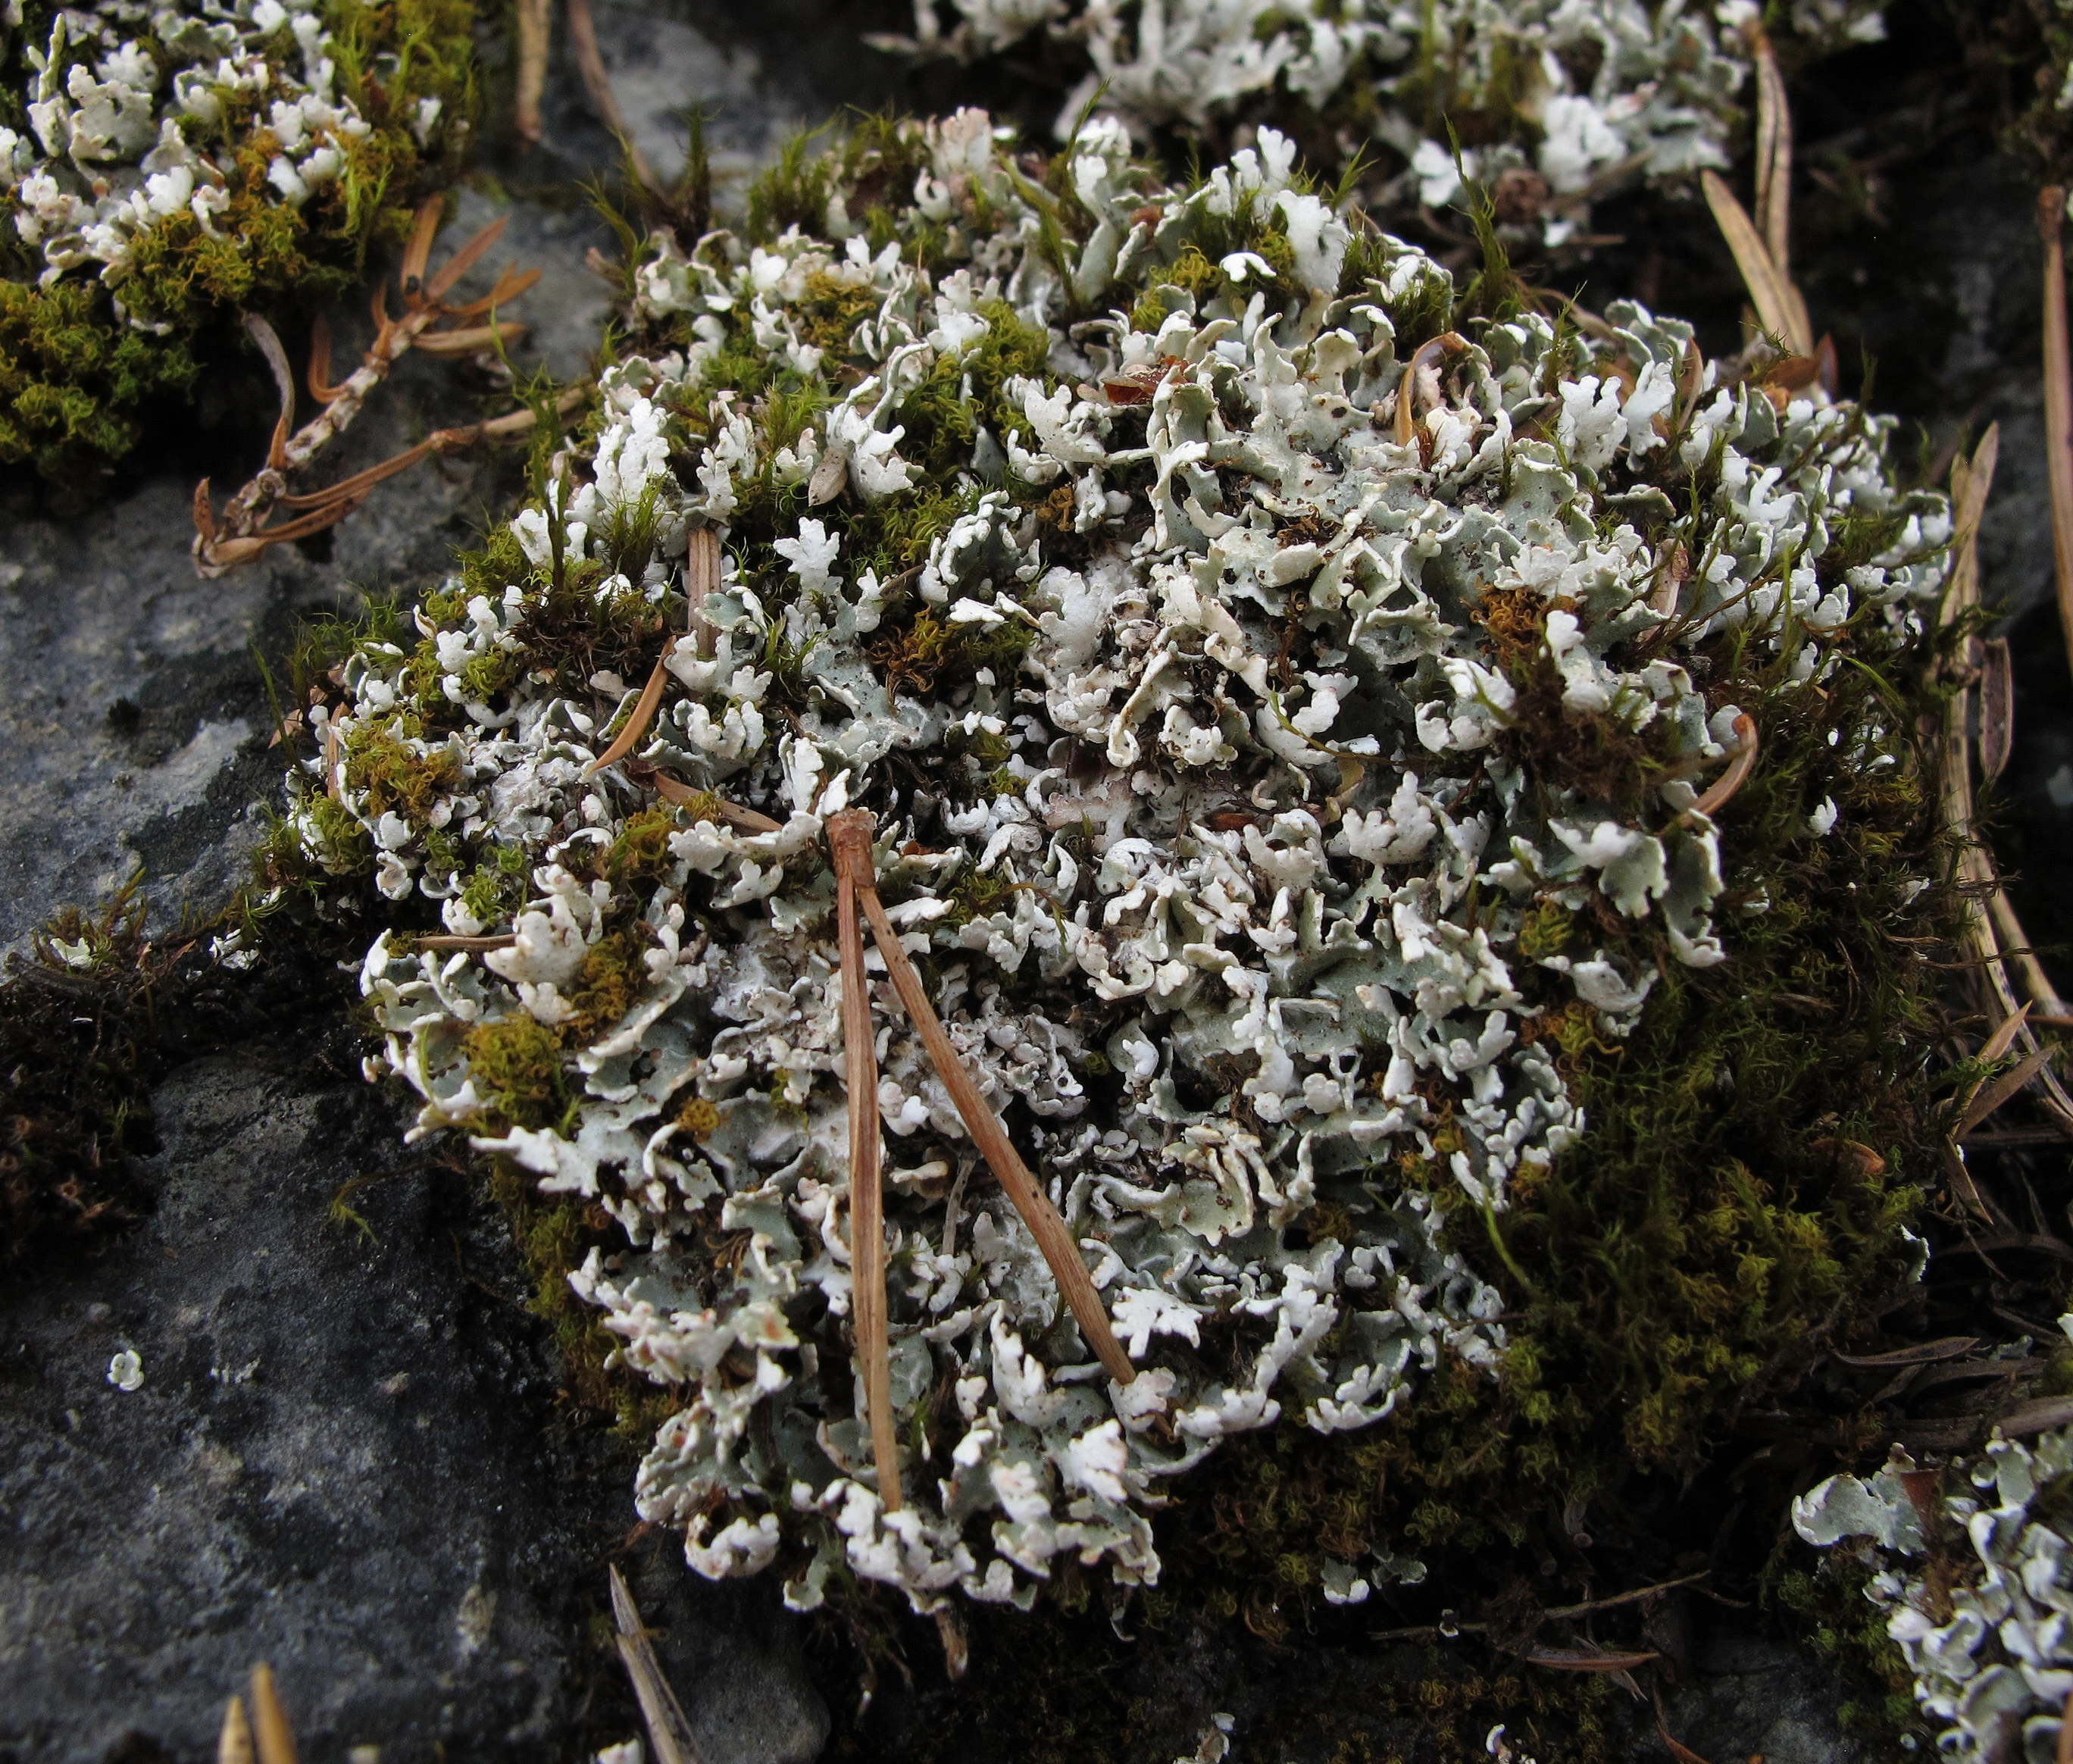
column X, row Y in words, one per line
column 1423, row 833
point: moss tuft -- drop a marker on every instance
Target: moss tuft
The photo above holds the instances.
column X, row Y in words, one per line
column 516, row 1062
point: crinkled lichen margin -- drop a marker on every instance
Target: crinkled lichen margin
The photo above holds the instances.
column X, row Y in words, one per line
column 166, row 168
column 1287, row 718
column 1552, row 103
column 1965, row 1568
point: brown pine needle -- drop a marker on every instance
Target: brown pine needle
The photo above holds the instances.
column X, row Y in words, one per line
column 1053, row 1235
column 284, row 383
column 510, row 284
column 535, row 19
column 669, row 1731
column 701, row 575
column 1448, row 343
column 2018, row 950
column 1779, row 307
column 2004, row 1038
column 644, row 713
column 705, row 802
column 456, row 266
column 269, row 1721
column 320, row 374
column 583, row 39
column 233, row 1746
column 2003, row 1087
column 2057, row 397
column 849, row 843
column 1574, row 1659
column 701, row 579
column 1774, row 184
column 1997, row 707
column 1677, row 1749
column 2064, row 1750
column 1994, row 936
column 241, row 534
column 471, row 341
column 1724, row 786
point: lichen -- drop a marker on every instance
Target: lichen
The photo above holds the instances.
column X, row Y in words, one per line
column 1968, row 1567
column 1550, row 104
column 164, row 170
column 1286, row 727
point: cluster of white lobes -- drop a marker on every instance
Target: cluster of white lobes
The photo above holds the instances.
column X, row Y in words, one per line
column 1588, row 93
column 107, row 157
column 1986, row 1626
column 1290, row 895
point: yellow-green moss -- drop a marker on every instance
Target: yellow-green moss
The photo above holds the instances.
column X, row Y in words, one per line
column 516, row 1063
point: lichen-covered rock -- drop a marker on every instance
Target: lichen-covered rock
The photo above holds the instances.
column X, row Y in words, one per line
column 1554, row 101
column 162, row 167
column 1286, row 720
column 1970, row 1566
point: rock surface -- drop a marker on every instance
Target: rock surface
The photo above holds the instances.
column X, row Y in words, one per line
column 345, row 1457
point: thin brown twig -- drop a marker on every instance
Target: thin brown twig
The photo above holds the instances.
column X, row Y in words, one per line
column 1053, row 1235
column 849, row 844
column 1558, row 1613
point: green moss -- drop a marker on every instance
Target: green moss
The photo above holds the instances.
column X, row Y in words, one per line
column 1824, row 1593
column 553, row 1236
column 611, row 977
column 74, row 381
column 1698, row 1247
column 378, row 762
column 517, row 1064
column 929, row 655
column 638, row 857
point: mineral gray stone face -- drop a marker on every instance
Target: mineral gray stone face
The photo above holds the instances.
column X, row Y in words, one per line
column 341, row 1458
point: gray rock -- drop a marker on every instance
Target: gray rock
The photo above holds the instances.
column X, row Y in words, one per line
column 345, row 1458
column 1753, row 1693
